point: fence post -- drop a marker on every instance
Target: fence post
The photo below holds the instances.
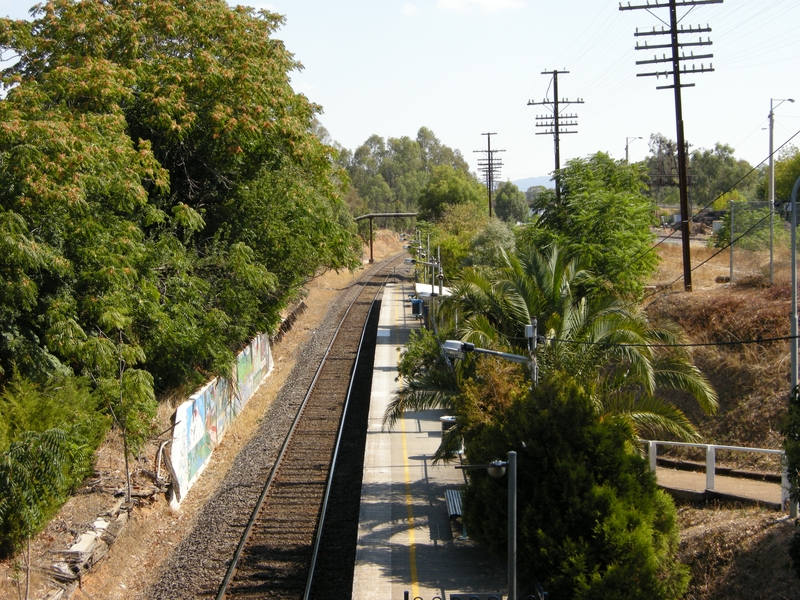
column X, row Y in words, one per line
column 786, row 488
column 652, row 452
column 711, row 460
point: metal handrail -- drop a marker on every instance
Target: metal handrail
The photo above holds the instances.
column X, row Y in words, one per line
column 711, row 464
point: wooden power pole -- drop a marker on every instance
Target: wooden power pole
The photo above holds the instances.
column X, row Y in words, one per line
column 676, row 56
column 490, row 167
column 556, row 123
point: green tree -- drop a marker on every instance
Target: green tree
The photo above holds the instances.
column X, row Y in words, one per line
column 662, row 170
column 532, row 193
column 148, row 150
column 150, row 120
column 715, row 172
column 434, row 153
column 603, row 342
column 455, row 233
column 489, row 245
column 750, row 227
column 592, row 521
column 36, row 472
column 448, row 187
column 603, row 216
column 65, row 403
column 787, row 170
column 510, row 203
column 389, row 175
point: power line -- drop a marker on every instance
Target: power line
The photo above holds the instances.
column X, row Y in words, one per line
column 686, row 345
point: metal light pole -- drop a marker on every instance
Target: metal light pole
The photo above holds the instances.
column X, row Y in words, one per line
column 497, row 469
column 772, row 179
column 627, row 142
column 512, row 525
column 793, row 505
column 794, row 284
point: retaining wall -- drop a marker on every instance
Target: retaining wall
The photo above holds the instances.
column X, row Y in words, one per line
column 201, row 421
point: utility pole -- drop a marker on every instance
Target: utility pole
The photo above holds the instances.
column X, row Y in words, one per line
column 490, row 167
column 772, row 180
column 556, row 122
column 675, row 72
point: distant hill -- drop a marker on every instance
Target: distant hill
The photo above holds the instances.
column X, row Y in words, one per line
column 524, row 184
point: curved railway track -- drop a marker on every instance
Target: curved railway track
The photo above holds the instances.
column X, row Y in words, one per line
column 278, row 549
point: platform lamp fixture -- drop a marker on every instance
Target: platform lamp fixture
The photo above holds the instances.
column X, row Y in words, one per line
column 457, row 349
column 497, row 469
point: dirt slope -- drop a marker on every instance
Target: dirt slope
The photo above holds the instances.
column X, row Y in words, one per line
column 734, row 553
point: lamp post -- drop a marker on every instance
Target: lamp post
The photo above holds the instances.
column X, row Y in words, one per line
column 772, row 179
column 627, row 143
column 793, row 324
column 497, row 469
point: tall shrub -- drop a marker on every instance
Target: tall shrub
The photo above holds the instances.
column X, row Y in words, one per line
column 592, row 522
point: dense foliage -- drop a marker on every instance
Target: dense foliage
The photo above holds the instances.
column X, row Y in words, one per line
column 143, row 143
column 592, row 521
column 394, row 175
column 162, row 197
column 712, row 173
column 510, row 204
column 602, row 215
column 787, row 171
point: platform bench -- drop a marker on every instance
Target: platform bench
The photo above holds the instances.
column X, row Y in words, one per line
column 453, row 499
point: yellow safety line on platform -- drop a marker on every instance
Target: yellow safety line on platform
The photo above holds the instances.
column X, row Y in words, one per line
column 412, row 548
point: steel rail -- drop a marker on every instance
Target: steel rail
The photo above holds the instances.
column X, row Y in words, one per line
column 287, row 440
column 329, row 485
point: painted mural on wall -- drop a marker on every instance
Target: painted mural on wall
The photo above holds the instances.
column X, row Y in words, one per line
column 202, row 420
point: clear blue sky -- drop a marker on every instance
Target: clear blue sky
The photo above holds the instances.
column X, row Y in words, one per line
column 464, row 67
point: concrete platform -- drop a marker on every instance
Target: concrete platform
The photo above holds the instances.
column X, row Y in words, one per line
column 406, row 541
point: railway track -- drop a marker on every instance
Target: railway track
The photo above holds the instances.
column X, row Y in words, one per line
column 278, row 549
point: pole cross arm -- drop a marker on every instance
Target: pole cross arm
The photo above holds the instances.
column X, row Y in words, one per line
column 375, row 215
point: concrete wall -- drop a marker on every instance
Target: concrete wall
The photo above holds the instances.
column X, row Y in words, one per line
column 201, row 421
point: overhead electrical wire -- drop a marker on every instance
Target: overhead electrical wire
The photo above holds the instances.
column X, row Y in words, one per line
column 730, row 189
column 782, row 338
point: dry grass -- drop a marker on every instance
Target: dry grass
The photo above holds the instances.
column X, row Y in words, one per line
column 734, row 553
column 751, row 379
column 737, row 553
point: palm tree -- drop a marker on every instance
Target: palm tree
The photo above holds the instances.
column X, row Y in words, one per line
column 429, row 379
column 600, row 340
